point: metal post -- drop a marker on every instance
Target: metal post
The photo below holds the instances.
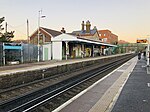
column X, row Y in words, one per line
column 148, row 53
column 3, row 55
column 38, row 35
column 6, row 31
column 39, row 16
column 66, row 49
column 82, row 53
column 28, row 38
column 21, row 54
column 93, row 50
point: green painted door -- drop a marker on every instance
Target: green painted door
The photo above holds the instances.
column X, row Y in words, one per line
column 45, row 53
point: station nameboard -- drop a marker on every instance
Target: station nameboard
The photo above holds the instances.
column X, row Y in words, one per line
column 141, row 40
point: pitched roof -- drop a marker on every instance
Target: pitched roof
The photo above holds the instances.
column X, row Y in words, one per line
column 83, row 32
column 69, row 38
column 49, row 32
column 54, row 33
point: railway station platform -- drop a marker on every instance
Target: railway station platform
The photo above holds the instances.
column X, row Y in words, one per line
column 15, row 75
column 126, row 89
column 4, row 70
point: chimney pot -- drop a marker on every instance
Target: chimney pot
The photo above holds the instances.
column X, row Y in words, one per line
column 63, row 30
column 82, row 25
column 88, row 25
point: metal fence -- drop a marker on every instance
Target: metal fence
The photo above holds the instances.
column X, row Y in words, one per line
column 30, row 52
column 1, row 54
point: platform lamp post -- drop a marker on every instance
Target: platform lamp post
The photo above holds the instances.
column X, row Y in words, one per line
column 39, row 17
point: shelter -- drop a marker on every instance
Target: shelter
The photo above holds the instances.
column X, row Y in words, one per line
column 69, row 46
column 12, row 52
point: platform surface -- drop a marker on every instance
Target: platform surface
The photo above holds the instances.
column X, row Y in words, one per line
column 4, row 70
column 102, row 95
column 135, row 96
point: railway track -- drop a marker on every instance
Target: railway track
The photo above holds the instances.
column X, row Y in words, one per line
column 11, row 93
column 49, row 98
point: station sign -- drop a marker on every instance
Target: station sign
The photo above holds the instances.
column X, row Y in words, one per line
column 141, row 40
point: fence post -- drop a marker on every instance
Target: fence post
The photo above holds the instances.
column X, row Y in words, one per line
column 3, row 54
column 21, row 54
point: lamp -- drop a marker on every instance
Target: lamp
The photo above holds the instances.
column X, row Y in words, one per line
column 39, row 17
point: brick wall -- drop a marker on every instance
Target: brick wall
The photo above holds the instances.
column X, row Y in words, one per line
column 108, row 35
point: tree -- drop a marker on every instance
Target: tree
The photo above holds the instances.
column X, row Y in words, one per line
column 7, row 36
column 1, row 20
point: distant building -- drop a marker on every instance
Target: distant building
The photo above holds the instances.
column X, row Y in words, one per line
column 45, row 36
column 122, row 42
column 108, row 37
column 87, row 32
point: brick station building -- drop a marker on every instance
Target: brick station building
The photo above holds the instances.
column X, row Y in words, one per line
column 108, row 37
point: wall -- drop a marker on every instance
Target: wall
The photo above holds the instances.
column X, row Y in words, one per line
column 111, row 38
column 57, row 50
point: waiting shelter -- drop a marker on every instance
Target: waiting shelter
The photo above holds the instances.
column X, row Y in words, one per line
column 66, row 46
column 12, row 52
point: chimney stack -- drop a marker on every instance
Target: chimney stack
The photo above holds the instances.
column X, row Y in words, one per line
column 88, row 25
column 63, row 30
column 94, row 28
column 82, row 25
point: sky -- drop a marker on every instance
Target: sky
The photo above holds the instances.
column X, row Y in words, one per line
column 129, row 19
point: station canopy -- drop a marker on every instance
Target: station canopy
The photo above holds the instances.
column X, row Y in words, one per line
column 69, row 38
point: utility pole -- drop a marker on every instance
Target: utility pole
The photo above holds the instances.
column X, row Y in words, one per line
column 39, row 17
column 6, row 30
column 28, row 39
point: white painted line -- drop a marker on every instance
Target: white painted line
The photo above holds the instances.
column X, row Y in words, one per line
column 84, row 91
column 148, row 84
column 148, row 72
column 112, row 104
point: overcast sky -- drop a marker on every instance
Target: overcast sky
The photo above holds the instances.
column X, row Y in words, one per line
column 129, row 19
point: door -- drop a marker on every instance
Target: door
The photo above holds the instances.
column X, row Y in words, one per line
column 45, row 53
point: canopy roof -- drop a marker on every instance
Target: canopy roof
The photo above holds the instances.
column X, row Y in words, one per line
column 71, row 38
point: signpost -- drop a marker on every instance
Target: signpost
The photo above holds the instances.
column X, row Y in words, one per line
column 141, row 41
